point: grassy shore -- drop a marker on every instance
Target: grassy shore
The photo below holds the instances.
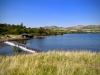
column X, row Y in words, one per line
column 51, row 63
column 11, row 38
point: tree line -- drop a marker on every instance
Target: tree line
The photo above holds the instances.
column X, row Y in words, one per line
column 6, row 29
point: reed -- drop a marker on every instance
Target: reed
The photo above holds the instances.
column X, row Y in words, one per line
column 52, row 63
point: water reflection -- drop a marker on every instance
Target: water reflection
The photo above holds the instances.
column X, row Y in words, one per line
column 22, row 41
column 2, row 45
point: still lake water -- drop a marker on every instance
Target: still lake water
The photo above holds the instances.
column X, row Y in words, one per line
column 89, row 42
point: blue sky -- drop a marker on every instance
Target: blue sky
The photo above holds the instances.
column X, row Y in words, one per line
column 39, row 13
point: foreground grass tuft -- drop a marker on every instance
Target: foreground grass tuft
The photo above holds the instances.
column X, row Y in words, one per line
column 51, row 63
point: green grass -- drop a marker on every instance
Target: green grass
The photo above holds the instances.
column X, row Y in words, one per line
column 51, row 63
column 15, row 36
column 11, row 36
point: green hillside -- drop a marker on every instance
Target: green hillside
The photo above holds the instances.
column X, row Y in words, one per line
column 76, row 29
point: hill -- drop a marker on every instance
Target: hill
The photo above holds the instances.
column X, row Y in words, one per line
column 85, row 27
column 50, row 27
column 75, row 29
column 91, row 27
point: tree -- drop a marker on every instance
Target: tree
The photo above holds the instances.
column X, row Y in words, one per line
column 16, row 50
column 21, row 25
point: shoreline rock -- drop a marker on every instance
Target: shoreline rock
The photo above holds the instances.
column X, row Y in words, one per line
column 12, row 39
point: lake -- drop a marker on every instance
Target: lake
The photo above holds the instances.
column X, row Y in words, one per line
column 66, row 42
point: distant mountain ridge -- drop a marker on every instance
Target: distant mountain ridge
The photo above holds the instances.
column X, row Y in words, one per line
column 50, row 27
column 85, row 27
column 75, row 27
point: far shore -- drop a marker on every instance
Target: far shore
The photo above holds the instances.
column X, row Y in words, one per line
column 17, row 38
